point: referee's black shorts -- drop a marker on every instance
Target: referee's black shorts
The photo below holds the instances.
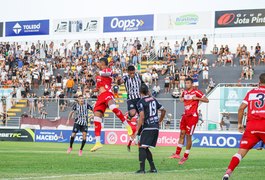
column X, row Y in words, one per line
column 80, row 128
column 149, row 138
column 132, row 104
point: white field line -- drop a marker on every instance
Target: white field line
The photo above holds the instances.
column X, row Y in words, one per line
column 104, row 174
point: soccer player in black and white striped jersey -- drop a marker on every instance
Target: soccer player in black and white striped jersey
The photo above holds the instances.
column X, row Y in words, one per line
column 80, row 109
column 132, row 83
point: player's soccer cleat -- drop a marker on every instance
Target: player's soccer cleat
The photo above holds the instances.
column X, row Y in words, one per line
column 96, row 147
column 129, row 130
column 153, row 171
column 174, row 156
column 80, row 153
column 183, row 160
column 69, row 150
column 226, row 177
column 129, row 148
column 140, row 172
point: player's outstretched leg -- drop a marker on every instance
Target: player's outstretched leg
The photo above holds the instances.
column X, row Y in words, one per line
column 187, row 152
column 83, row 144
column 149, row 157
column 97, row 124
column 72, row 138
column 234, row 162
column 119, row 114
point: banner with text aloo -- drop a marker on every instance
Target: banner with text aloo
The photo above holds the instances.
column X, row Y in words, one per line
column 68, row 26
column 27, row 28
column 17, row 135
column 183, row 21
column 121, row 137
column 129, row 23
column 240, row 18
column 1, row 29
column 63, row 136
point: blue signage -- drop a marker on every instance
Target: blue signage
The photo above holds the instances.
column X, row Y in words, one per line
column 129, row 23
column 63, row 136
column 27, row 28
column 212, row 140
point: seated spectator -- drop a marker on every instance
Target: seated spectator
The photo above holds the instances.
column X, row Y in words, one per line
column 186, row 59
column 244, row 59
column 225, row 121
column 156, row 90
column 215, row 50
column 211, row 85
column 262, row 58
column 249, row 73
column 167, row 84
column 154, row 76
column 229, row 59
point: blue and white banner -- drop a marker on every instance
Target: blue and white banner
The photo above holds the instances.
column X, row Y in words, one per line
column 129, row 23
column 217, row 140
column 27, row 28
column 63, row 136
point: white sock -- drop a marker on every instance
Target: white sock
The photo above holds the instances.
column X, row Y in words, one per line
column 98, row 139
column 187, row 151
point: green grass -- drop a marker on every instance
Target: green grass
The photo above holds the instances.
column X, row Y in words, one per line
column 49, row 161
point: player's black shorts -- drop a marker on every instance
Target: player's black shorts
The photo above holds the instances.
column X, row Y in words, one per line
column 132, row 104
column 149, row 138
column 80, row 128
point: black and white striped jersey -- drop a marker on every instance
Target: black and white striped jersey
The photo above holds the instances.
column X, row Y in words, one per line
column 132, row 86
column 81, row 113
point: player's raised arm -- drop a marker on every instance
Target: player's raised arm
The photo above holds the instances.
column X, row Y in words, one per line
column 70, row 117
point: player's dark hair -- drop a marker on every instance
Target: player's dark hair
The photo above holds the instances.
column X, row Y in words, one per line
column 131, row 68
column 189, row 79
column 262, row 78
column 144, row 89
column 105, row 60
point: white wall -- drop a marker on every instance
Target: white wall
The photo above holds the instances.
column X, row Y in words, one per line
column 58, row 9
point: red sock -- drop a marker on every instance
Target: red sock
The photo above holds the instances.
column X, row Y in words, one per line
column 130, row 142
column 97, row 128
column 234, row 163
column 186, row 154
column 178, row 149
column 119, row 114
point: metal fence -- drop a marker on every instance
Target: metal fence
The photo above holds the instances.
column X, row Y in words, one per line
column 54, row 109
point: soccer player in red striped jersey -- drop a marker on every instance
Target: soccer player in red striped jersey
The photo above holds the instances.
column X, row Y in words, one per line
column 255, row 127
column 191, row 98
column 105, row 100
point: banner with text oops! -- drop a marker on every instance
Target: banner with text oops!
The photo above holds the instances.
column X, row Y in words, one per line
column 182, row 21
column 26, row 135
column 240, row 18
column 82, row 25
column 129, row 23
column 63, row 136
column 27, row 28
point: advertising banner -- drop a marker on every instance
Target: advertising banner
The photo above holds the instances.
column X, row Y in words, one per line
column 240, row 18
column 87, row 25
column 121, row 137
column 129, row 23
column 1, row 29
column 26, row 135
column 231, row 98
column 181, row 21
column 27, row 28
column 63, row 136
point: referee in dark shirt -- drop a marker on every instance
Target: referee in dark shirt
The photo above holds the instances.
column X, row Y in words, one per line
column 148, row 108
column 80, row 109
column 132, row 83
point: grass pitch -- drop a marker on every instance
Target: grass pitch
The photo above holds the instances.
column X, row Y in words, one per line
column 20, row 160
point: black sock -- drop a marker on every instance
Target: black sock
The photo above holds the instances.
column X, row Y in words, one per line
column 149, row 157
column 142, row 157
column 83, row 144
column 72, row 141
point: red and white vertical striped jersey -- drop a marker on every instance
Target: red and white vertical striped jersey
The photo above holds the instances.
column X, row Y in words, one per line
column 255, row 99
column 190, row 105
